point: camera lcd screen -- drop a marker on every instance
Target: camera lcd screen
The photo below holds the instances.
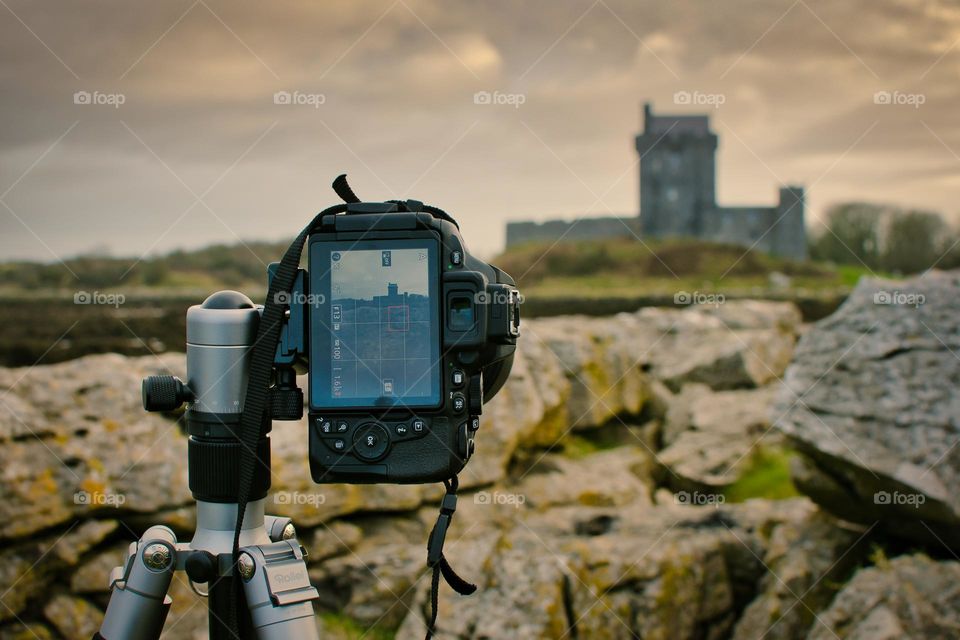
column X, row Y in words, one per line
column 375, row 335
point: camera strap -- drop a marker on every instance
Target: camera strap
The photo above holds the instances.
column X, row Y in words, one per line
column 254, row 419
column 437, row 561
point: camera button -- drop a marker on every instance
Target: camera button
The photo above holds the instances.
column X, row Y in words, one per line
column 325, row 426
column 371, row 441
column 456, row 258
column 459, row 402
column 342, row 427
column 419, row 427
column 337, row 444
column 401, row 430
column 457, row 377
column 474, row 423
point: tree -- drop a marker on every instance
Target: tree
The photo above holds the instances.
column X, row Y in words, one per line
column 852, row 235
column 914, row 241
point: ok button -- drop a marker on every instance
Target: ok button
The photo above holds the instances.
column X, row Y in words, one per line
column 371, row 441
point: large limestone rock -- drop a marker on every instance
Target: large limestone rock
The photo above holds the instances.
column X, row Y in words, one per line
column 712, row 436
column 805, row 559
column 594, row 572
column 729, row 346
column 872, row 402
column 907, row 597
column 75, row 442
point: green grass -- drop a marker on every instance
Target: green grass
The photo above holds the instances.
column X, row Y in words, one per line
column 339, row 626
column 767, row 475
column 624, row 267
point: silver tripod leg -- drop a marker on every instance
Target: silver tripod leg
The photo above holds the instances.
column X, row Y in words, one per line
column 139, row 602
column 278, row 591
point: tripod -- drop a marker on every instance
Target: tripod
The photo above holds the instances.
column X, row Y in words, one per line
column 271, row 570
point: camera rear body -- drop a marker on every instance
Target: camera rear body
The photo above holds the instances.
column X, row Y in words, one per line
column 405, row 335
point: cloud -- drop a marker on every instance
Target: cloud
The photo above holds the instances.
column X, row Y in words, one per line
column 398, row 80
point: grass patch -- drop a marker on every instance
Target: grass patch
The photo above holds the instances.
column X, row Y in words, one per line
column 337, row 625
column 767, row 475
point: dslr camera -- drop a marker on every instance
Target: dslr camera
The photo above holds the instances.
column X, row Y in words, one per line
column 404, row 335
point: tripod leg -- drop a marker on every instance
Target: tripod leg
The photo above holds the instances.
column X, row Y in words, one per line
column 278, row 591
column 138, row 600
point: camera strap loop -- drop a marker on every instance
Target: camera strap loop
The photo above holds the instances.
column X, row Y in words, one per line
column 437, row 561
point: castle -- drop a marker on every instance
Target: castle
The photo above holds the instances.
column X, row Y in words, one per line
column 678, row 198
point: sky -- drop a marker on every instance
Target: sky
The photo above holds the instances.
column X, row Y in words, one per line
column 135, row 128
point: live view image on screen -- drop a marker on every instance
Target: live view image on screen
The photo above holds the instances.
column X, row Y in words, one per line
column 382, row 348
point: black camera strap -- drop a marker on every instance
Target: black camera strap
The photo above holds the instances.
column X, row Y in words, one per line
column 437, row 561
column 253, row 419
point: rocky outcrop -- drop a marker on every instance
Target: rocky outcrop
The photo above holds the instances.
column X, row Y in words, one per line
column 871, row 401
column 907, row 597
column 542, row 523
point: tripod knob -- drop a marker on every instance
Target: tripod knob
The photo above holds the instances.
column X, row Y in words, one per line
column 164, row 393
column 201, row 566
column 286, row 403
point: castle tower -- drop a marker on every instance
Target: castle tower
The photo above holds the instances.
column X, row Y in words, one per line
column 789, row 232
column 677, row 174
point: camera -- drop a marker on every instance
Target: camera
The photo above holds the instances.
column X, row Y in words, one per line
column 404, row 335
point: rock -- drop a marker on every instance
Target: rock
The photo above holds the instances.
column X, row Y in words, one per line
column 26, row 631
column 74, row 618
column 74, row 442
column 722, row 429
column 724, row 347
column 594, row 572
column 373, row 583
column 333, row 539
column 606, row 478
column 871, row 402
column 908, row 597
column 805, row 559
column 29, row 568
column 92, row 576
